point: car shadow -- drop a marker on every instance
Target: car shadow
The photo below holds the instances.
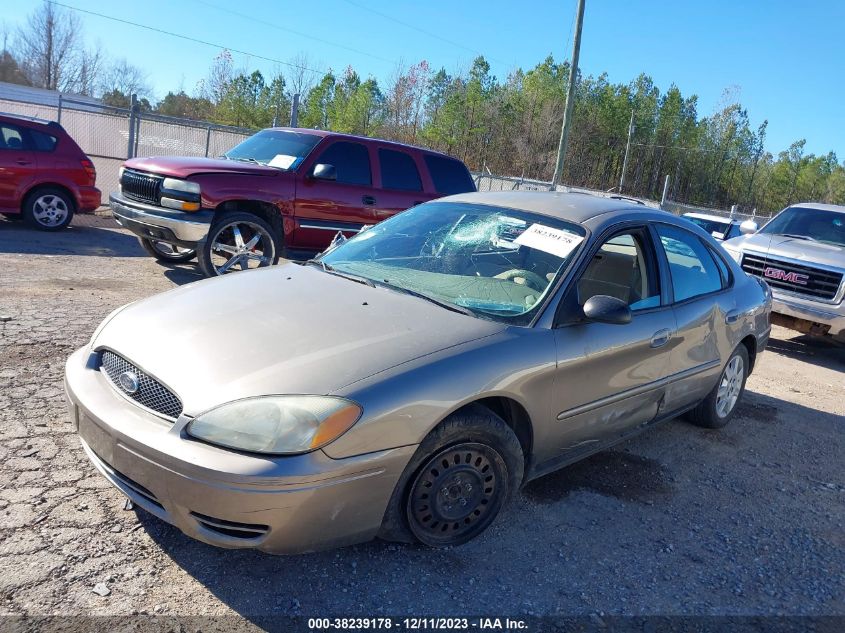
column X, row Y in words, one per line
column 181, row 274
column 824, row 352
column 87, row 235
column 258, row 586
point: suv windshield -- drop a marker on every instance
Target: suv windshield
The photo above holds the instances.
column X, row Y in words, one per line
column 276, row 148
column 496, row 262
column 817, row 225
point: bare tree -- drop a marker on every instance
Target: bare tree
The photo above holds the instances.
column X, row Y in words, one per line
column 124, row 78
column 299, row 78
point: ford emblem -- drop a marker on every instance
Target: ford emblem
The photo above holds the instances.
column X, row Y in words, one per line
column 129, row 382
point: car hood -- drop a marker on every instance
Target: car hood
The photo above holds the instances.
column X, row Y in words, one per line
column 791, row 248
column 184, row 166
column 288, row 329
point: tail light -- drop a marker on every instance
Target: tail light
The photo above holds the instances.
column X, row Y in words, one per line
column 89, row 168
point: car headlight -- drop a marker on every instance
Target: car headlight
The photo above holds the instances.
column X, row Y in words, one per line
column 735, row 255
column 185, row 186
column 183, row 195
column 276, row 425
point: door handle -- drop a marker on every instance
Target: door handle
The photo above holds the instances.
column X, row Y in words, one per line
column 660, row 338
column 20, row 161
column 732, row 316
column 368, row 200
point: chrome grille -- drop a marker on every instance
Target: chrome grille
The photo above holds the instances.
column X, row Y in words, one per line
column 141, row 186
column 820, row 283
column 150, row 393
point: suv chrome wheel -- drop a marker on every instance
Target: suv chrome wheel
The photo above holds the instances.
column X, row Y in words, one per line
column 730, row 386
column 238, row 241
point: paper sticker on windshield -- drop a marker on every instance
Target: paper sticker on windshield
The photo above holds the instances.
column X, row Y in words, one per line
column 545, row 238
column 282, row 160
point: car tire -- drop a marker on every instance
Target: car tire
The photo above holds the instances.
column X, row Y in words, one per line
column 229, row 239
column 474, row 462
column 720, row 405
column 165, row 252
column 48, row 209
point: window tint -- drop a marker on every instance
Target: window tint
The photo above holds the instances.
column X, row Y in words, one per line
column 723, row 268
column 620, row 268
column 10, row 137
column 351, row 160
column 694, row 272
column 42, row 142
column 398, row 171
column 449, row 175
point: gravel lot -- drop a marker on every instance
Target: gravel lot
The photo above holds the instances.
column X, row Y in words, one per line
column 746, row 521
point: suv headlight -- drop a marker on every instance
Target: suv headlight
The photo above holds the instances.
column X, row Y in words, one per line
column 735, row 255
column 183, row 195
column 276, row 425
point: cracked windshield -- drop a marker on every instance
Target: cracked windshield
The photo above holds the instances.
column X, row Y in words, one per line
column 493, row 262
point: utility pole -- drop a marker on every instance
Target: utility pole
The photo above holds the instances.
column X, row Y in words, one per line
column 294, row 111
column 627, row 149
column 570, row 95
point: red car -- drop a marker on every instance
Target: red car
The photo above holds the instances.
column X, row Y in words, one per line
column 44, row 175
column 281, row 192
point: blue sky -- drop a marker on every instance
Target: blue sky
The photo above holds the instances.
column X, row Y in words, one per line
column 784, row 60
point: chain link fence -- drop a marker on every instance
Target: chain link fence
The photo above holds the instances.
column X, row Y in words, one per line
column 110, row 135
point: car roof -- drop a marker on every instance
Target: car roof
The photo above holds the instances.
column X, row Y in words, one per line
column 365, row 139
column 576, row 207
column 707, row 216
column 819, row 205
column 29, row 121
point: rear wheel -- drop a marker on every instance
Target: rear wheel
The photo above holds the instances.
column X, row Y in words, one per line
column 717, row 409
column 48, row 209
column 458, row 480
column 237, row 241
column 165, row 252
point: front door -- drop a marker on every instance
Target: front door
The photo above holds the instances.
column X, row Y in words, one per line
column 610, row 378
column 17, row 166
column 324, row 207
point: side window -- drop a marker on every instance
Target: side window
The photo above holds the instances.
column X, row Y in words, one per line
column 398, row 171
column 351, row 160
column 722, row 266
column 623, row 268
column 693, row 269
column 449, row 175
column 42, row 142
column 10, row 137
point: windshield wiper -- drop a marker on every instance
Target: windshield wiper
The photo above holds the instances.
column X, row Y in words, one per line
column 333, row 271
column 799, row 237
column 443, row 304
column 247, row 159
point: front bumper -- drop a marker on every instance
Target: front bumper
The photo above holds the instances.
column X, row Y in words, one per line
column 280, row 505
column 148, row 221
column 830, row 315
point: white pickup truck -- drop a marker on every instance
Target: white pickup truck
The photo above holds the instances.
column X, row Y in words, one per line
column 801, row 254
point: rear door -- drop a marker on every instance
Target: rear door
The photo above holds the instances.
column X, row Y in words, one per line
column 18, row 165
column 703, row 307
column 400, row 182
column 324, row 207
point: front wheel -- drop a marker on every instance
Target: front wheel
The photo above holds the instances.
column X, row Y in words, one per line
column 717, row 409
column 237, row 241
column 165, row 252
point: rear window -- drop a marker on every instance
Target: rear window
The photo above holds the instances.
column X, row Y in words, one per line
column 398, row 171
column 10, row 137
column 42, row 142
column 449, row 175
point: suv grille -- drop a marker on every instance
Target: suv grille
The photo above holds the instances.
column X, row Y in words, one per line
column 798, row 278
column 140, row 186
column 150, row 393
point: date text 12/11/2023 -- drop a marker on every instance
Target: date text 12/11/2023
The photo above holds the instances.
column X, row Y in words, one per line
column 417, row 624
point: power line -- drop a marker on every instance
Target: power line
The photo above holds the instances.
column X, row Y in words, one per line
column 295, row 32
column 183, row 37
column 423, row 31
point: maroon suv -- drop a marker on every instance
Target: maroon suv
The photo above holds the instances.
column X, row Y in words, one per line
column 44, row 175
column 282, row 192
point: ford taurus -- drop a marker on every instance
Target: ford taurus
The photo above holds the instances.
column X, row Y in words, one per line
column 411, row 379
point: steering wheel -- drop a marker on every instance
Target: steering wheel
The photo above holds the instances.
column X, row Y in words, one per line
column 532, row 280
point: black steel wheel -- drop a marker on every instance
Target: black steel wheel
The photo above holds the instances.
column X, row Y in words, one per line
column 457, row 494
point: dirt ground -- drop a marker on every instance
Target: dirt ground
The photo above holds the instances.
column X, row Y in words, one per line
column 744, row 521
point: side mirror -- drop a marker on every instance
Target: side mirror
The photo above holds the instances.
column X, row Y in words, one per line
column 323, row 171
column 605, row 309
column 748, row 227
